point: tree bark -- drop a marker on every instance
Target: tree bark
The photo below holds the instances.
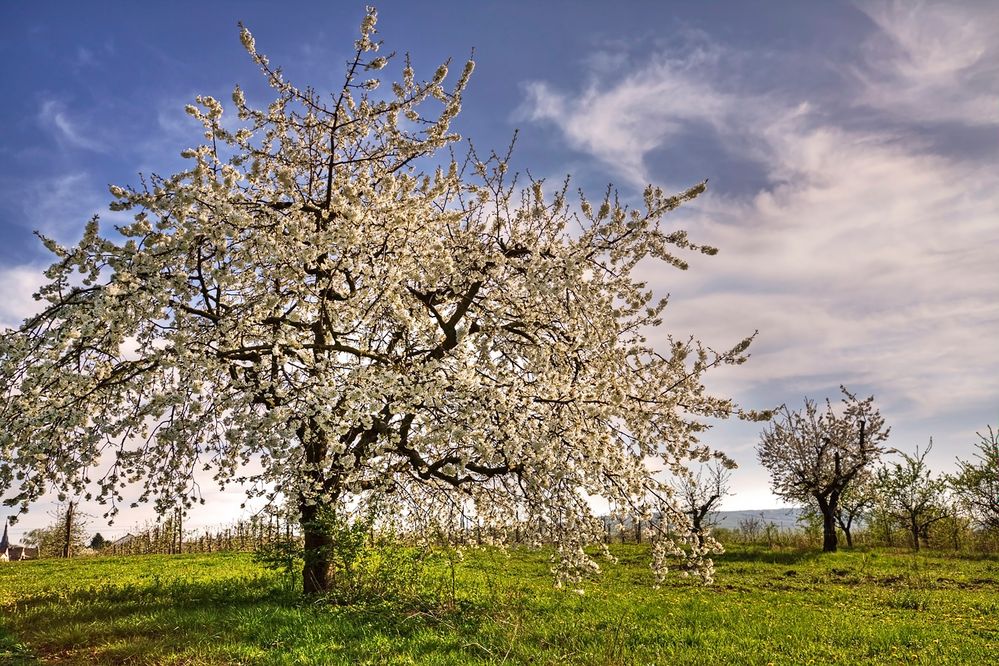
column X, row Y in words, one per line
column 315, row 533
column 316, row 570
column 924, row 533
column 67, row 543
column 914, row 528
column 847, row 528
column 829, row 541
column 697, row 529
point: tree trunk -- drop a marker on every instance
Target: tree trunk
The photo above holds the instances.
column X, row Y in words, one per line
column 847, row 527
column 68, row 541
column 889, row 540
column 914, row 528
column 829, row 541
column 317, row 539
column 316, row 570
column 696, row 528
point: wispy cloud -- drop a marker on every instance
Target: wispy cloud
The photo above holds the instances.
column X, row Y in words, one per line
column 868, row 258
column 621, row 119
column 54, row 116
column 933, row 61
column 60, row 205
column 872, row 266
column 84, row 57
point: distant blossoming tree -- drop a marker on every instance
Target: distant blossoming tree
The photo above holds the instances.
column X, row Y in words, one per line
column 815, row 456
column 305, row 312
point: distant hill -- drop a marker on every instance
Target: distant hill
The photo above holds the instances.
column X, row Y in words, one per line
column 782, row 518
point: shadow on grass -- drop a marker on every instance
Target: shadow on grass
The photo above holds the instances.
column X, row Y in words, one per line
column 227, row 621
column 971, row 556
column 767, row 556
column 14, row 653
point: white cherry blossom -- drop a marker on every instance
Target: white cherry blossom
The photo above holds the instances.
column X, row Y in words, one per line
column 305, row 312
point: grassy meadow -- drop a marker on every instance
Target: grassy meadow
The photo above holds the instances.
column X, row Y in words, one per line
column 492, row 607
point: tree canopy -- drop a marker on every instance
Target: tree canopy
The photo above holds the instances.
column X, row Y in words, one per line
column 325, row 310
column 976, row 482
column 910, row 494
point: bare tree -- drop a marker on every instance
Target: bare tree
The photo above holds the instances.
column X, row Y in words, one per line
column 701, row 494
column 815, row 456
column 750, row 528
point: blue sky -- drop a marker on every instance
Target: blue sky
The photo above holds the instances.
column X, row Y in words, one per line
column 851, row 150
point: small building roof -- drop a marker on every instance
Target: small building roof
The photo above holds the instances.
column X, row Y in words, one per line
column 120, row 541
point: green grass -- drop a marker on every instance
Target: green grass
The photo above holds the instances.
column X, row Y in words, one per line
column 765, row 607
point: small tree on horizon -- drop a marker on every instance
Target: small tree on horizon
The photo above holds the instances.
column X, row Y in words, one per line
column 305, row 312
column 701, row 494
column 814, row 456
column 51, row 539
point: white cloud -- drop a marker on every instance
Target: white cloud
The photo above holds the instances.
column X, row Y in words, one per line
column 933, row 61
column 873, row 262
column 53, row 116
column 622, row 122
column 867, row 260
column 18, row 284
